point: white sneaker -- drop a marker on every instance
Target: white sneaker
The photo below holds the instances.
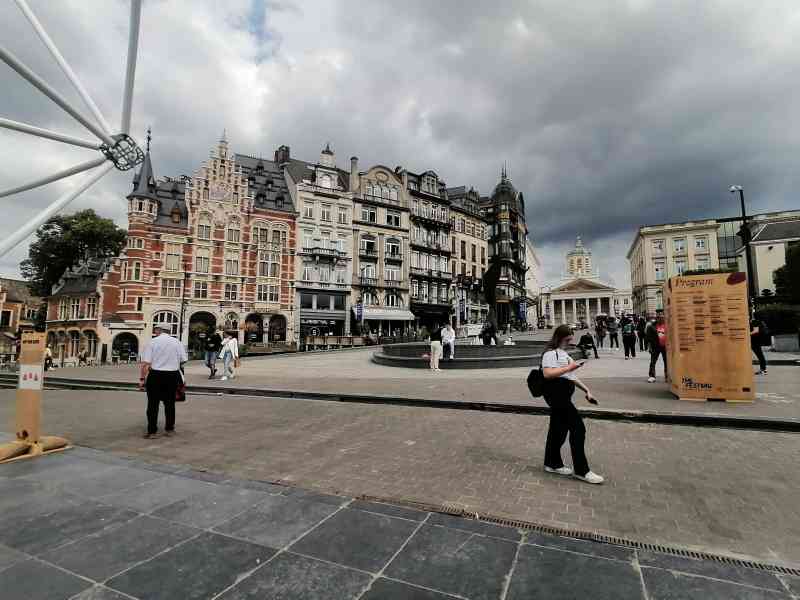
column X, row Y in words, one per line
column 559, row 471
column 223, row 378
column 651, row 380
column 590, row 478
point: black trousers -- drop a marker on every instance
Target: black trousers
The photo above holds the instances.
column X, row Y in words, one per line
column 161, row 387
column 642, row 342
column 762, row 362
column 629, row 342
column 564, row 419
column 655, row 352
column 613, row 339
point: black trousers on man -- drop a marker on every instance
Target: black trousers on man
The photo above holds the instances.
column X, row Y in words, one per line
column 629, row 342
column 161, row 387
column 655, row 352
column 564, row 419
column 613, row 340
column 642, row 342
column 762, row 362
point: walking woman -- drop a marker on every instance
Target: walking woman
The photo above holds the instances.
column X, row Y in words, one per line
column 229, row 355
column 560, row 381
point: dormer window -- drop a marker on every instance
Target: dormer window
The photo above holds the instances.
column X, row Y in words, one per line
column 175, row 215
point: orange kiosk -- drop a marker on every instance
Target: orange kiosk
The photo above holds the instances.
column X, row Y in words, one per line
column 708, row 337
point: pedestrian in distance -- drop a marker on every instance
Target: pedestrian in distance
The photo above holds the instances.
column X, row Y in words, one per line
column 613, row 336
column 160, row 376
column 586, row 343
column 436, row 347
column 48, row 358
column 560, row 381
column 656, row 333
column 449, row 342
column 229, row 353
column 759, row 336
column 600, row 330
column 628, row 337
column 213, row 345
column 641, row 323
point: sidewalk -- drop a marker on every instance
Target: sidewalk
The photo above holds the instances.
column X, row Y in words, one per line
column 85, row 524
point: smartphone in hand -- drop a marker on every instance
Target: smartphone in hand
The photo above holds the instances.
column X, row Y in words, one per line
column 580, row 363
column 591, row 400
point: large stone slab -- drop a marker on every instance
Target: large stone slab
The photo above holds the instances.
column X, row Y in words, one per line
column 581, row 546
column 34, row 580
column 711, row 569
column 9, row 556
column 557, row 575
column 293, row 577
column 387, row 589
column 152, row 495
column 212, row 506
column 666, row 585
column 390, row 510
column 113, row 480
column 474, row 526
column 36, row 535
column 113, row 550
column 192, row 571
column 277, row 521
column 100, row 592
column 454, row 561
column 357, row 539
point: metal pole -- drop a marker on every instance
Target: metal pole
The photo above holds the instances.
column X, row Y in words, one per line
column 55, row 177
column 130, row 71
column 37, row 26
column 748, row 258
column 46, row 133
column 24, row 71
column 18, row 236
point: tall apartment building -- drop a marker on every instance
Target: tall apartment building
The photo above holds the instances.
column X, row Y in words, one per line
column 430, row 274
column 324, row 265
column 505, row 213
column 381, row 226
column 660, row 251
column 469, row 255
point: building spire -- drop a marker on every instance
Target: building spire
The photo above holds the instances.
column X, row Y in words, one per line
column 224, row 137
column 149, row 137
column 578, row 242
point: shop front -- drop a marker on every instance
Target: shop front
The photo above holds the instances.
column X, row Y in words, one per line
column 387, row 321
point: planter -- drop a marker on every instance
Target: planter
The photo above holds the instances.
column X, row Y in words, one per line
column 786, row 342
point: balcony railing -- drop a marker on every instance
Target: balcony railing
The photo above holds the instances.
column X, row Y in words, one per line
column 368, row 281
column 269, row 246
column 324, row 252
column 434, row 273
column 366, row 252
column 431, row 217
column 393, row 256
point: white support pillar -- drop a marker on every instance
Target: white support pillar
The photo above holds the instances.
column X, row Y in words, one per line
column 563, row 311
column 574, row 310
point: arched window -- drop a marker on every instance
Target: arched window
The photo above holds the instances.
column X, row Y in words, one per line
column 204, row 228
column 205, row 193
column 168, row 321
column 369, row 299
column 394, row 301
column 231, row 322
column 232, row 233
column 137, row 271
column 393, row 194
column 384, row 192
column 260, row 233
column 368, row 191
column 74, row 343
column 91, row 343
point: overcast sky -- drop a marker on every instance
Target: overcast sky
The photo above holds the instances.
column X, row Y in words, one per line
column 610, row 113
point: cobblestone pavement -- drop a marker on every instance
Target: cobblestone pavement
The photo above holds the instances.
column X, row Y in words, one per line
column 617, row 383
column 728, row 491
column 86, row 525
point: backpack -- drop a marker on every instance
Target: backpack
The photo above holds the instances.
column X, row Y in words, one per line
column 536, row 382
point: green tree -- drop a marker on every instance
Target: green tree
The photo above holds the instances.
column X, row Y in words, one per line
column 787, row 278
column 63, row 241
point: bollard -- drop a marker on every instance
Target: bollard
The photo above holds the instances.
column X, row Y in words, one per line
column 28, row 415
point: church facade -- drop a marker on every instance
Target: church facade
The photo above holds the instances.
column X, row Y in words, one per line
column 581, row 296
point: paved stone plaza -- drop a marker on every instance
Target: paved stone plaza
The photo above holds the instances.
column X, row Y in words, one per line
column 617, row 383
column 723, row 490
column 88, row 525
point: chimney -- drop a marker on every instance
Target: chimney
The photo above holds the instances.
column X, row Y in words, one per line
column 353, row 173
column 282, row 155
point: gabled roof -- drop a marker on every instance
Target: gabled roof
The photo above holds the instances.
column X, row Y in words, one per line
column 782, row 230
column 582, row 285
column 266, row 180
column 18, row 291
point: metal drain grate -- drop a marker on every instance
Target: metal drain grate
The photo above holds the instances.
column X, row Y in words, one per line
column 588, row 536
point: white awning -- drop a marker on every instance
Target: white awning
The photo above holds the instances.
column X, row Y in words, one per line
column 387, row 314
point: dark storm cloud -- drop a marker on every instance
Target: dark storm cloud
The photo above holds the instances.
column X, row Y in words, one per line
column 611, row 114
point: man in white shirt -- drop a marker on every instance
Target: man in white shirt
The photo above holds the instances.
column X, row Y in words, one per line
column 160, row 376
column 449, row 341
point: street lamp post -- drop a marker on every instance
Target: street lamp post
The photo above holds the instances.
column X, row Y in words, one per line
column 183, row 301
column 751, row 290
